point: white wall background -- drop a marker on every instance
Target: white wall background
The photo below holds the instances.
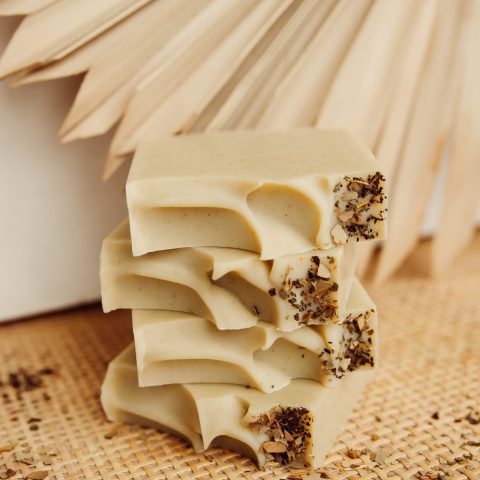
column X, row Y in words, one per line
column 54, row 209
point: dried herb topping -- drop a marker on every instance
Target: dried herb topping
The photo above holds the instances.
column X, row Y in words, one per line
column 313, row 296
column 359, row 206
column 355, row 349
column 288, row 429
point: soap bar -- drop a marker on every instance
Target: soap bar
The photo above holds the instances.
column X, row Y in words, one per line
column 293, row 426
column 232, row 288
column 274, row 193
column 174, row 347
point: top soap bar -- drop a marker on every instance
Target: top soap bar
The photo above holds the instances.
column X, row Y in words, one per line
column 275, row 193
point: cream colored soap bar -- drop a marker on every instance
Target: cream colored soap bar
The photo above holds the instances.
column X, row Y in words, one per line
column 275, row 193
column 295, row 425
column 175, row 347
column 231, row 288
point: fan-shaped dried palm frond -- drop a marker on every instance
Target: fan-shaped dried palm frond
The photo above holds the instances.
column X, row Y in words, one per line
column 401, row 74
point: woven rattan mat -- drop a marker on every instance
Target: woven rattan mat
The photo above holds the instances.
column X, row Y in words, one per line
column 419, row 418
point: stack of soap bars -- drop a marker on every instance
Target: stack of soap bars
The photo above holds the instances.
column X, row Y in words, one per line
column 251, row 331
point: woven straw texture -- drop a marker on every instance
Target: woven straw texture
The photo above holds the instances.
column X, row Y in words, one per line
column 418, row 419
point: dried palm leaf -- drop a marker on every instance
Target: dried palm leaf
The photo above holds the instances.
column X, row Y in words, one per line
column 297, row 99
column 147, row 117
column 424, row 143
column 458, row 219
column 53, row 32
column 395, row 125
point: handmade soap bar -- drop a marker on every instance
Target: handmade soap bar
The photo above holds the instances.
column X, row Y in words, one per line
column 232, row 288
column 275, row 193
column 295, row 425
column 175, row 347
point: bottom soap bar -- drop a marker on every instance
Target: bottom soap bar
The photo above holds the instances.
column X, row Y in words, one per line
column 293, row 426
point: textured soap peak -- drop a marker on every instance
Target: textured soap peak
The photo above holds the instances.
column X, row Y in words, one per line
column 274, row 193
column 293, row 426
column 176, row 347
column 232, row 288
